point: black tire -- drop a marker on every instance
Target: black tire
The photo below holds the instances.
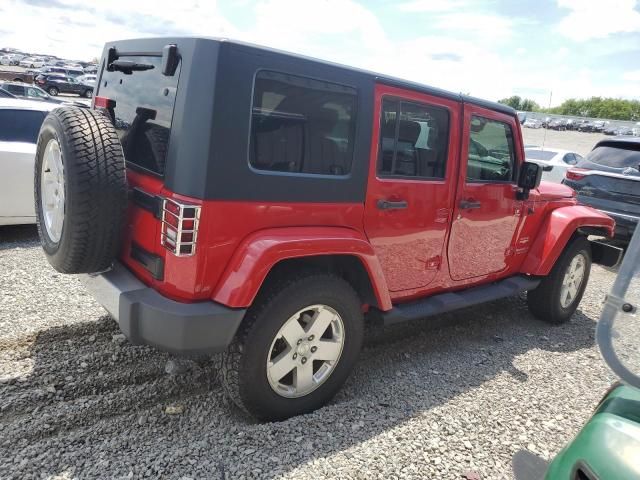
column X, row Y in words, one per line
column 53, row 91
column 18, row 80
column 95, row 190
column 88, row 93
column 243, row 366
column 544, row 301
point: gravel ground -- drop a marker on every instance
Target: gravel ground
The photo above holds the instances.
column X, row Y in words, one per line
column 454, row 396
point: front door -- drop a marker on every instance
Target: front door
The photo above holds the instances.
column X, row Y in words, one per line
column 486, row 209
column 409, row 194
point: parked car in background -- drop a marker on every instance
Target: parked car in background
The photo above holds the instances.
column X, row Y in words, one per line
column 88, row 79
column 5, row 94
column 16, row 76
column 554, row 161
column 532, row 123
column 608, row 179
column 624, row 131
column 63, row 70
column 55, row 84
column 20, row 122
column 29, row 92
column 5, row 60
column 31, row 62
column 91, row 69
column 557, row 125
column 570, row 124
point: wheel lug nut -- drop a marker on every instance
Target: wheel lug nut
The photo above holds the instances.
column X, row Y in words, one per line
column 313, row 349
column 311, row 338
column 304, row 360
column 299, row 341
column 295, row 355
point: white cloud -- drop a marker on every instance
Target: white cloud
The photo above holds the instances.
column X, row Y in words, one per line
column 633, row 76
column 482, row 25
column 432, row 5
column 590, row 19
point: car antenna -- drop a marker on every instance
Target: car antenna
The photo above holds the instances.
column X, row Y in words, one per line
column 544, row 137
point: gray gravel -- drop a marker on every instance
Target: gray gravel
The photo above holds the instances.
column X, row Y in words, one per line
column 437, row 399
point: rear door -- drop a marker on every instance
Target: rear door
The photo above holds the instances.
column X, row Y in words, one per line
column 140, row 104
column 18, row 137
column 410, row 187
column 486, row 211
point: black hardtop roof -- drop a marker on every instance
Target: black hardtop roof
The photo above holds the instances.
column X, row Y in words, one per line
column 627, row 143
column 130, row 45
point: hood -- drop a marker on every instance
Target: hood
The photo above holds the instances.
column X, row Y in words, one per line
column 553, row 191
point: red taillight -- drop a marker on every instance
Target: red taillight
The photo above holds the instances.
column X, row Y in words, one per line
column 179, row 227
column 104, row 102
column 576, row 173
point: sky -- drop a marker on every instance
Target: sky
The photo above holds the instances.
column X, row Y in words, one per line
column 488, row 48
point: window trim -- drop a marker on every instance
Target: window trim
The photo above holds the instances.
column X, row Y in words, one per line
column 516, row 165
column 323, row 176
column 399, row 101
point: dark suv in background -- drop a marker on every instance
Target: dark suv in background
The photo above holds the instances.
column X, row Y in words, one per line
column 57, row 83
column 608, row 179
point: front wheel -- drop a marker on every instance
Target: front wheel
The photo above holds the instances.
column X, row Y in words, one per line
column 53, row 91
column 296, row 348
column 88, row 93
column 559, row 294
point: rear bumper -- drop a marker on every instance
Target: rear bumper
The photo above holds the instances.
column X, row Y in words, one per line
column 148, row 318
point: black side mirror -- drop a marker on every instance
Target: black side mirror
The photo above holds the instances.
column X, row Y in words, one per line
column 530, row 177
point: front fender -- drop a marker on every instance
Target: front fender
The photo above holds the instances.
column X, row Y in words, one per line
column 260, row 251
column 555, row 232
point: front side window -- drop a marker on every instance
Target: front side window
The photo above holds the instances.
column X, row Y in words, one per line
column 302, row 125
column 413, row 140
column 491, row 155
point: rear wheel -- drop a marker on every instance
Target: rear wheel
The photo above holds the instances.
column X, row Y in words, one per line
column 296, row 347
column 559, row 294
column 53, row 91
column 88, row 93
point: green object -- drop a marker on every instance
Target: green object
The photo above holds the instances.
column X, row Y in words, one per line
column 608, row 447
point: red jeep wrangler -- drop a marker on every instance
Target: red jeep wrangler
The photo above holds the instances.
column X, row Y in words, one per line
column 224, row 197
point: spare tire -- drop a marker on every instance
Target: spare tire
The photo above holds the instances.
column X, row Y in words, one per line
column 80, row 190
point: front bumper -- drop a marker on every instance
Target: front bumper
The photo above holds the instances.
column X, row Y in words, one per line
column 148, row 318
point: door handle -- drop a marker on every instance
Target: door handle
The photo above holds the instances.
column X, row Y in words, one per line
column 389, row 205
column 469, row 204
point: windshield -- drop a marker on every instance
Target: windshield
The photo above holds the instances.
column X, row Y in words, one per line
column 544, row 155
column 617, row 333
column 614, row 157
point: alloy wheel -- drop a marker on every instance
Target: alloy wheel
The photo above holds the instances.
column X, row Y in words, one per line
column 305, row 351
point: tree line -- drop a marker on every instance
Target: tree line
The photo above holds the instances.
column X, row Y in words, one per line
column 597, row 107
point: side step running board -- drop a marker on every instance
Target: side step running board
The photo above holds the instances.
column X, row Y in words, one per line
column 446, row 302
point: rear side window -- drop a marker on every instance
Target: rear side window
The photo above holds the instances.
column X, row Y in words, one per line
column 20, row 125
column 614, row 157
column 413, row 140
column 544, row 155
column 302, row 125
column 491, row 153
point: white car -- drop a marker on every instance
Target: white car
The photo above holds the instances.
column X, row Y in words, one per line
column 20, row 122
column 5, row 60
column 554, row 161
column 532, row 123
column 87, row 79
column 32, row 62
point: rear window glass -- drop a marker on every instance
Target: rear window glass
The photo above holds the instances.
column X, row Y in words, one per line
column 143, row 112
column 544, row 155
column 20, row 125
column 302, row 125
column 614, row 157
